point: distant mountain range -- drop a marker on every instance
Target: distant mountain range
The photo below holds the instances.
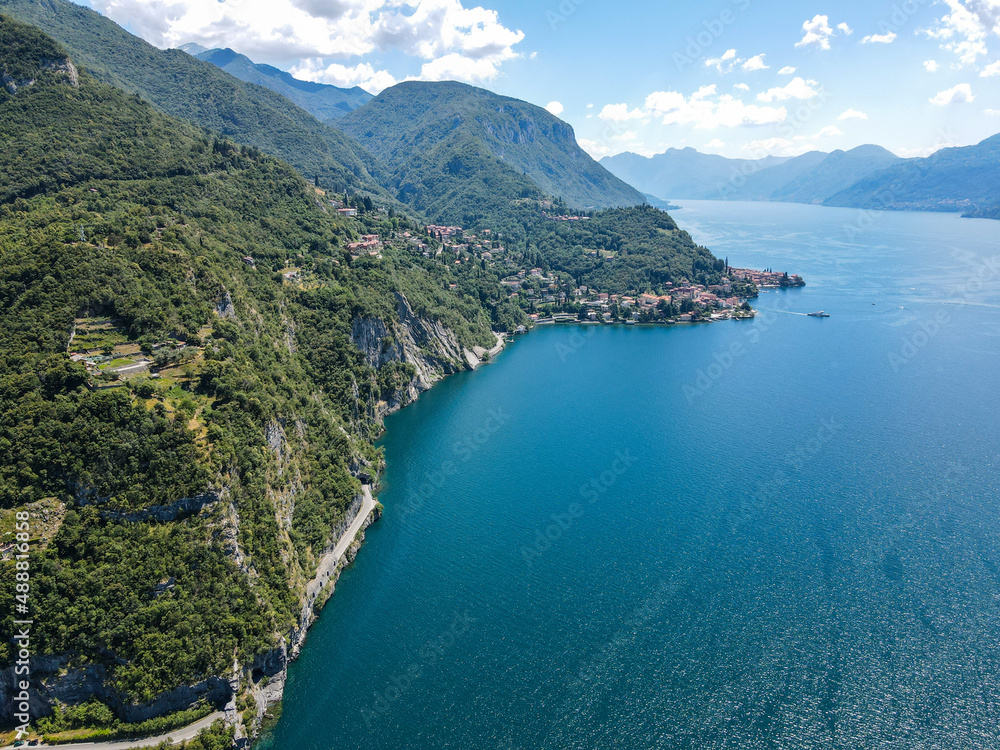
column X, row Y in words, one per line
column 955, row 179
column 324, row 102
column 453, row 148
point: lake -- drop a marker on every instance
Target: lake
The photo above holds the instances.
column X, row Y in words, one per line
column 770, row 534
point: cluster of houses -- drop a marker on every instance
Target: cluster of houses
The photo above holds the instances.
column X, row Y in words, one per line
column 766, row 279
column 369, row 243
column 702, row 300
column 443, row 233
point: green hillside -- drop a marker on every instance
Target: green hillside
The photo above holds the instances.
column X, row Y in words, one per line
column 426, row 132
column 190, row 89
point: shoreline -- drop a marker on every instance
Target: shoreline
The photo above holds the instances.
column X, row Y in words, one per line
column 321, row 588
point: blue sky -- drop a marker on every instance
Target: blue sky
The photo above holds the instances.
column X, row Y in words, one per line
column 742, row 78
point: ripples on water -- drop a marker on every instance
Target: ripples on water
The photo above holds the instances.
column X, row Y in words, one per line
column 804, row 555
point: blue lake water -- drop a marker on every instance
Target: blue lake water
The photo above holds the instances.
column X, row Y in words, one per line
column 777, row 534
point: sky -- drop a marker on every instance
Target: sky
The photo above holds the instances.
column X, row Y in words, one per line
column 740, row 78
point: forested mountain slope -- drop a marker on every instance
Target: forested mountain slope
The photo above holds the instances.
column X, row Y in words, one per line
column 426, row 132
column 199, row 92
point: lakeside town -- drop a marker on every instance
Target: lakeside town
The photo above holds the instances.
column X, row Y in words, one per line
column 549, row 296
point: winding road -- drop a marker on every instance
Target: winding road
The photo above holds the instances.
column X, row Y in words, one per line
column 176, row 737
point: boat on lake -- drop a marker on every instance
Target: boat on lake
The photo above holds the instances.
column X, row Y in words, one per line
column 819, row 314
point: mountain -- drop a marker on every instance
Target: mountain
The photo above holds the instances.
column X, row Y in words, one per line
column 833, row 173
column 178, row 517
column 809, row 178
column 324, row 102
column 683, row 173
column 955, row 179
column 197, row 91
column 952, row 179
column 424, row 132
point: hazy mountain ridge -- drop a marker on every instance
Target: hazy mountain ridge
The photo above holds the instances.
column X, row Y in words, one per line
column 956, row 179
column 965, row 178
column 325, row 102
column 807, row 178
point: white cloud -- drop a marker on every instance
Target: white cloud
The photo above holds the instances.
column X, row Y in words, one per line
column 887, row 38
column 993, row 69
column 458, row 67
column 965, row 29
column 705, row 109
column 797, row 88
column 725, row 63
column 555, row 108
column 830, row 131
column 590, row 106
column 992, row 112
column 818, row 32
column 363, row 75
column 714, row 145
column 729, row 61
column 960, row 94
column 786, row 71
column 596, row 149
column 741, row 87
column 620, row 113
column 455, row 41
column 852, row 114
column 931, row 66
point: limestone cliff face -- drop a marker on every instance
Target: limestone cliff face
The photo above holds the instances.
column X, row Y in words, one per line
column 427, row 345
column 265, row 679
column 63, row 68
